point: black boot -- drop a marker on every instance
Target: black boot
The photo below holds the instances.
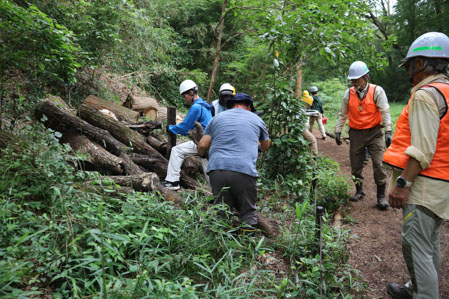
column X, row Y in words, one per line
column 358, row 193
column 398, row 292
column 381, row 200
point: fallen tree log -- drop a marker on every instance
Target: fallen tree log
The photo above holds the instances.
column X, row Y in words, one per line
column 269, row 226
column 130, row 166
column 158, row 145
column 62, row 120
column 98, row 158
column 122, row 133
column 141, row 182
column 122, row 113
column 192, row 165
column 135, row 140
column 155, row 165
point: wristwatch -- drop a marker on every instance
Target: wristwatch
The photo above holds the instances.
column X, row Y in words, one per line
column 401, row 182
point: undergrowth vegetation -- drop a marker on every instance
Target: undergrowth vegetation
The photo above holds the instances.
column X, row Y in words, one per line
column 60, row 239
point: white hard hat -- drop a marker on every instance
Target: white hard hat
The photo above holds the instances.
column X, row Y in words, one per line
column 227, row 87
column 187, row 85
column 314, row 89
column 357, row 70
column 430, row 44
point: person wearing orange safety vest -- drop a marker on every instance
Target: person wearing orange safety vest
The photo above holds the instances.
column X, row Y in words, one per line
column 367, row 107
column 419, row 155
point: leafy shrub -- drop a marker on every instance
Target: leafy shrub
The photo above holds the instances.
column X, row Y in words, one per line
column 286, row 122
column 36, row 167
column 36, row 45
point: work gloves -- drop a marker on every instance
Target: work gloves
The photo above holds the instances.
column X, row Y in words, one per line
column 387, row 138
column 337, row 138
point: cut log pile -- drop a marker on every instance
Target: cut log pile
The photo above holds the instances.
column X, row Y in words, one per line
column 113, row 140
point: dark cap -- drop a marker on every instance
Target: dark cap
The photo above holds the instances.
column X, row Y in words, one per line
column 243, row 97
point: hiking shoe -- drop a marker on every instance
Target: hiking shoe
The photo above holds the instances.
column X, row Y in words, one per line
column 323, row 137
column 171, row 185
column 397, row 291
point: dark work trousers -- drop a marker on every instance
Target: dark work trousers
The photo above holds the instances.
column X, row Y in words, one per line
column 237, row 190
column 372, row 139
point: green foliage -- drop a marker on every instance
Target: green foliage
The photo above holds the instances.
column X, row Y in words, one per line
column 35, row 168
column 36, row 45
column 331, row 93
column 332, row 189
column 286, row 122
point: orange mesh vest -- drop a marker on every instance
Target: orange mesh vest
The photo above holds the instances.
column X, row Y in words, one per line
column 363, row 114
column 395, row 153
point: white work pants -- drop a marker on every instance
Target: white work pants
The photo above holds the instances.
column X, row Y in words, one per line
column 177, row 156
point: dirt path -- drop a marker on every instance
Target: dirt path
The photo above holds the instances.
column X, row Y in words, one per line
column 375, row 248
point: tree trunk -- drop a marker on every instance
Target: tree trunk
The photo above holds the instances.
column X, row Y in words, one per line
column 122, row 113
column 192, row 165
column 63, row 120
column 142, row 182
column 171, row 138
column 268, row 226
column 146, row 127
column 158, row 145
column 298, row 79
column 217, row 51
column 98, row 158
column 119, row 131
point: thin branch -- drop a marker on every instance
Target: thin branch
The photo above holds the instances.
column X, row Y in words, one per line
column 235, row 35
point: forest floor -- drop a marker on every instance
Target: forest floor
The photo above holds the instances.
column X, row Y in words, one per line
column 375, row 248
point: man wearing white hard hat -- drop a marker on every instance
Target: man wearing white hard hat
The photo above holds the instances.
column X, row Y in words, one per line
column 419, row 155
column 200, row 112
column 366, row 106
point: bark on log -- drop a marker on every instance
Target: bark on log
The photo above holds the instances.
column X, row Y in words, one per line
column 122, row 113
column 170, row 195
column 130, row 166
column 171, row 138
column 158, row 145
column 142, row 182
column 62, row 120
column 268, row 226
column 146, row 127
column 192, row 165
column 134, row 139
column 119, row 131
column 156, row 165
column 99, row 158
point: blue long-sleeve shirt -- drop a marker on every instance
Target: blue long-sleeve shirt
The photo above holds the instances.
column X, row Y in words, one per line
column 200, row 111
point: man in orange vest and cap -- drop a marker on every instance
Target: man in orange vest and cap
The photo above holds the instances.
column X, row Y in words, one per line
column 419, row 155
column 367, row 107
